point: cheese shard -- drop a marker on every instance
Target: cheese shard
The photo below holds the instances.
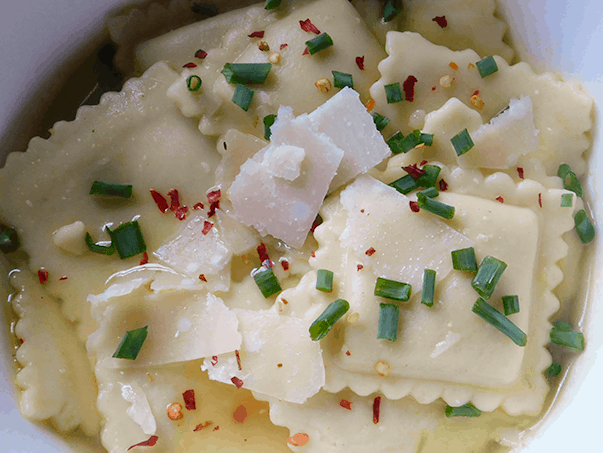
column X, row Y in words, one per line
column 139, row 411
column 278, row 358
column 405, row 242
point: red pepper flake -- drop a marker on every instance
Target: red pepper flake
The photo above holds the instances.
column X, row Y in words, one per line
column 212, row 208
column 298, row 440
column 285, row 265
column 409, row 87
column 257, row 34
column 433, row 88
column 216, row 428
column 160, row 201
column 238, row 359
column 500, row 199
column 283, row 46
column 198, row 206
column 414, row 171
column 520, row 172
column 181, row 212
column 189, row 400
column 21, row 340
column 414, row 206
column 306, row 52
column 145, row 259
column 441, row 21
column 189, row 65
column 443, row 185
column 360, row 62
column 201, row 54
column 240, row 414
column 453, row 65
column 540, row 199
column 207, row 226
column 174, row 199
column 64, row 277
column 370, row 251
column 214, row 360
column 312, row 254
column 348, row 353
column 359, row 267
column 370, row 105
column 237, row 382
column 346, row 404
column 376, row 409
column 317, row 221
column 470, row 65
column 263, row 254
column 423, row 162
column 200, row 426
column 202, row 278
column 279, row 365
column 214, row 196
column 43, row 276
column 147, row 443
column 308, row 26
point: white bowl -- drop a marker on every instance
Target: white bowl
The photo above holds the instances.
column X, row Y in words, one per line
column 42, row 39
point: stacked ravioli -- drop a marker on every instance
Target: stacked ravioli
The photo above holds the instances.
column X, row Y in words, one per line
column 210, row 329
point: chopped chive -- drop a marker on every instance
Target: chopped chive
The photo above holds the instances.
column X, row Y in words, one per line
column 321, row 42
column 411, row 141
column 405, row 184
column 131, row 344
column 467, row 410
column 267, row 282
column 464, row 260
column 554, row 370
column 428, row 295
column 570, row 180
column 395, row 143
column 246, row 73
column 324, row 281
column 325, row 322
column 510, row 304
column 271, row 4
column 268, row 122
column 487, row 66
column 430, row 177
column 242, row 96
column 102, row 249
column 563, row 336
column 489, row 273
column 430, row 192
column 391, row 10
column 391, row 289
column 342, row 80
column 114, row 190
column 393, row 93
column 567, row 200
column 584, row 227
column 193, row 83
column 389, row 315
column 380, row 121
column 500, row 321
column 9, row 241
column 435, row 207
column 426, row 138
column 127, row 239
column 462, row 142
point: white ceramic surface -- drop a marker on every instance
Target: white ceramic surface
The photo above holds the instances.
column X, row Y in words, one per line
column 39, row 39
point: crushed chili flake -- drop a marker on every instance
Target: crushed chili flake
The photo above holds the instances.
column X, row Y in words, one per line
column 198, row 206
column 359, row 267
column 317, row 221
column 540, row 199
column 285, row 265
column 298, row 439
column 283, row 46
column 409, row 87
column 308, row 26
column 475, row 93
column 238, row 359
column 470, row 65
column 145, row 259
column 263, row 254
column 240, row 414
column 443, row 185
column 370, row 251
column 160, row 201
column 214, row 360
column 346, row 404
column 201, row 54
column 257, row 34
column 200, row 426
column 263, row 46
column 423, row 162
column 348, row 353
column 520, row 172
column 312, row 254
column 414, row 171
column 181, row 212
column 207, row 226
column 150, row 442
column 433, row 88
column 43, row 276
column 64, row 277
column 214, row 196
column 376, row 409
column 174, row 411
column 216, row 428
column 189, row 400
column 414, row 206
column 306, row 52
column 174, row 199
column 280, row 365
column 202, row 278
column 453, row 65
column 441, row 21
column 189, row 65
column 500, row 199
column 237, row 382
column 212, row 208
column 285, row 301
column 360, row 62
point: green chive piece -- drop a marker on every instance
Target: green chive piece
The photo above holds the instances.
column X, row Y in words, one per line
column 464, row 260
column 487, row 66
column 324, row 281
column 102, row 249
column 393, row 93
column 462, row 142
column 391, row 10
column 267, row 282
column 584, row 227
column 391, row 289
column 554, row 370
column 246, row 73
column 389, row 315
column 510, row 304
column 325, row 322
column 193, row 83
column 428, row 295
column 321, row 42
column 500, row 321
column 271, row 4
column 430, row 177
column 268, row 122
column 380, row 121
column 467, row 410
column 435, row 207
column 242, row 96
column 127, row 239
column 567, row 200
column 395, row 143
column 489, row 273
column 342, row 80
column 563, row 326
column 114, row 190
column 563, row 336
column 430, row 192
column 9, row 241
column 405, row 184
column 411, row 141
column 570, row 180
column 426, row 138
column 131, row 344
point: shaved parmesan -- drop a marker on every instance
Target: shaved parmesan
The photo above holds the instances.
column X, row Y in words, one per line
column 71, row 238
column 139, row 411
